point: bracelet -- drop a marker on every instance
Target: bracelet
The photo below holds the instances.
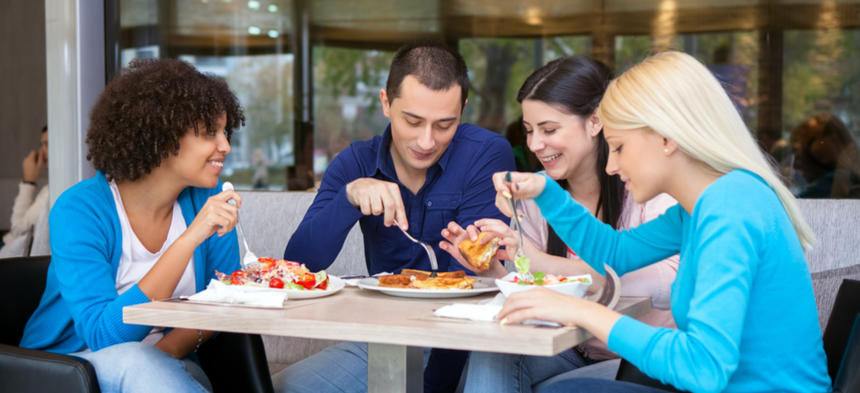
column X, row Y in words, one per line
column 199, row 340
column 32, row 183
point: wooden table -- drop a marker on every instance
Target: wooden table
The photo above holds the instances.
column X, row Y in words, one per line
column 396, row 329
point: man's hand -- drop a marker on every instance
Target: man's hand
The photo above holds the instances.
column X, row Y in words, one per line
column 376, row 197
column 32, row 166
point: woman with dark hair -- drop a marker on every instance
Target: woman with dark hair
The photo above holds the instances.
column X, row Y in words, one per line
column 559, row 101
column 141, row 228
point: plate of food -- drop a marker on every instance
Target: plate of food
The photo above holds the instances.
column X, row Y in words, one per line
column 419, row 284
column 278, row 275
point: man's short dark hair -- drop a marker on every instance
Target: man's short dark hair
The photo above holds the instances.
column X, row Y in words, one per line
column 434, row 64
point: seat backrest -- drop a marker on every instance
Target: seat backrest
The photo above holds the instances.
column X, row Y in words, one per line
column 846, row 308
column 21, row 292
column 270, row 218
column 834, row 256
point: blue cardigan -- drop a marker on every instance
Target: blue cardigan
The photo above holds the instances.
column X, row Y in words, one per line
column 80, row 307
column 742, row 299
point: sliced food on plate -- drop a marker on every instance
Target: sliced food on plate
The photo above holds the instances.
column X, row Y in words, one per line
column 277, row 273
column 420, row 279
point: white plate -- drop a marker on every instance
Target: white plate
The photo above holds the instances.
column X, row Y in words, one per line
column 481, row 285
column 335, row 284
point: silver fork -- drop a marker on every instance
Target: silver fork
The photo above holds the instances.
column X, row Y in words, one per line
column 434, row 266
column 516, row 221
column 249, row 260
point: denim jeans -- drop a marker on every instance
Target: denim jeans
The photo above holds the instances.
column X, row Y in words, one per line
column 598, row 385
column 137, row 367
column 500, row 372
column 343, row 368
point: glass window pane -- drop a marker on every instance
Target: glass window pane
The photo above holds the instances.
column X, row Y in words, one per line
column 247, row 43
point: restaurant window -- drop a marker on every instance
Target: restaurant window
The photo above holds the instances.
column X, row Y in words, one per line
column 346, row 99
column 247, row 44
column 309, row 72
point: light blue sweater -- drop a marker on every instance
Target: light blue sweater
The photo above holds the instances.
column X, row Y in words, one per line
column 80, row 307
column 742, row 299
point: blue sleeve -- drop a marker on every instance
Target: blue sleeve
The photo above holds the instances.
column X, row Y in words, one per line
column 322, row 232
column 598, row 243
column 704, row 355
column 82, row 242
column 479, row 194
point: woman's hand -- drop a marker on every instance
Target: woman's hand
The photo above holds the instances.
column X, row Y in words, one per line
column 454, row 234
column 216, row 216
column 547, row 305
column 32, row 166
column 522, row 186
column 507, row 237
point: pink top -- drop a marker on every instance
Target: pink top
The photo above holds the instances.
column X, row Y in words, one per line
column 652, row 281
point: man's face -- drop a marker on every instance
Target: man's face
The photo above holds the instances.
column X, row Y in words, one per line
column 423, row 123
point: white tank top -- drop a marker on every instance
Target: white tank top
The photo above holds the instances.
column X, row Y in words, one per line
column 136, row 260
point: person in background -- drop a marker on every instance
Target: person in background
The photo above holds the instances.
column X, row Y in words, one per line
column 827, row 156
column 152, row 224
column 742, row 299
column 29, row 205
column 426, row 170
column 559, row 101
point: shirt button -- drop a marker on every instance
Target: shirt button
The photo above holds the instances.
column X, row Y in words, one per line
column 429, row 203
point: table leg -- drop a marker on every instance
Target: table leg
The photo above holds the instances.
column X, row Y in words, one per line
column 394, row 368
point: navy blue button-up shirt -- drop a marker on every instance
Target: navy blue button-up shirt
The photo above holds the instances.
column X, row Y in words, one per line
column 459, row 187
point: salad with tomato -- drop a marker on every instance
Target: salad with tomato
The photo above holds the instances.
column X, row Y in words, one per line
column 277, row 273
column 525, row 277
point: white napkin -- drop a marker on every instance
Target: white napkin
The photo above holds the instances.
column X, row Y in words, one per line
column 485, row 311
column 473, row 312
column 219, row 292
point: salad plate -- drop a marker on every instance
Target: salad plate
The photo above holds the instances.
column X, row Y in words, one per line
column 481, row 285
column 334, row 286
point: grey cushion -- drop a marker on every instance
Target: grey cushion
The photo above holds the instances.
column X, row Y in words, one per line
column 835, row 253
column 269, row 219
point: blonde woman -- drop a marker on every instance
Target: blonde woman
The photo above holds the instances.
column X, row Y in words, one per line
column 742, row 299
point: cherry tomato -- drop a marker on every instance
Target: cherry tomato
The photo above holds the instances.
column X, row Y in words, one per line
column 324, row 284
column 236, row 280
column 239, row 273
column 276, row 283
column 306, row 280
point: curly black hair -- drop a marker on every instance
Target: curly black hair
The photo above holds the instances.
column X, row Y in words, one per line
column 140, row 116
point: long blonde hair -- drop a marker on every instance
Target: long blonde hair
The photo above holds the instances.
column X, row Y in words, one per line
column 674, row 95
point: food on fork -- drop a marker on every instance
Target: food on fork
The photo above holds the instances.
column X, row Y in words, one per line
column 420, row 279
column 477, row 254
column 277, row 273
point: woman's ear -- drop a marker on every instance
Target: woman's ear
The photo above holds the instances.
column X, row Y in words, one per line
column 593, row 125
column 669, row 146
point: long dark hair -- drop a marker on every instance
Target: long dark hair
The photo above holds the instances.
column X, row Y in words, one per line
column 576, row 84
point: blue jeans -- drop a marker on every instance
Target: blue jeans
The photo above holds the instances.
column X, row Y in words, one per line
column 343, row 368
column 501, row 372
column 598, row 385
column 137, row 367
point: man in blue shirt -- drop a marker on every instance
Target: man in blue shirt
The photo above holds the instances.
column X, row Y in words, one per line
column 426, row 170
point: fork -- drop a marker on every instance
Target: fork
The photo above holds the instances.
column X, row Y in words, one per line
column 249, row 260
column 434, row 266
column 516, row 221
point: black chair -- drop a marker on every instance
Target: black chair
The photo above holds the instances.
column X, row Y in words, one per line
column 233, row 362
column 842, row 338
column 629, row 373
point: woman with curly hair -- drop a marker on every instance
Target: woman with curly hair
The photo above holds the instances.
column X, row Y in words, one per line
column 142, row 228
